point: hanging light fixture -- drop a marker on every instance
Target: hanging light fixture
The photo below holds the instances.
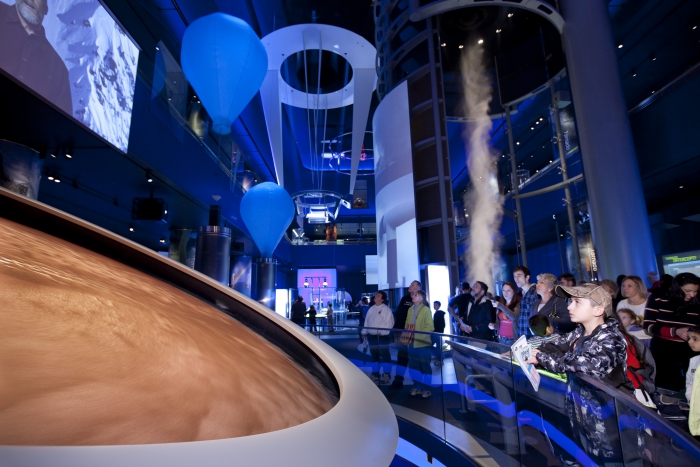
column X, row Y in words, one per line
column 325, row 283
column 306, row 282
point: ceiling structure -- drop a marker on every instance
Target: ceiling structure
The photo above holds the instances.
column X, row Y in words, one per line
column 657, row 44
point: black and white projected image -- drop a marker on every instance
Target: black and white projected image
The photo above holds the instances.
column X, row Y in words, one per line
column 73, row 53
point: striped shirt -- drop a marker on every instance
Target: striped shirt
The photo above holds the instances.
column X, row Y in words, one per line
column 662, row 318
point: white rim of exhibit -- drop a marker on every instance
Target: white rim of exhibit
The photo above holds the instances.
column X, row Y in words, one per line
column 361, row 56
column 536, row 6
column 362, row 417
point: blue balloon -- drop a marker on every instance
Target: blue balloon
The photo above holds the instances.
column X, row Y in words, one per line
column 226, row 64
column 267, row 210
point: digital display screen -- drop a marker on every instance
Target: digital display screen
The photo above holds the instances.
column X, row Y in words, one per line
column 73, row 54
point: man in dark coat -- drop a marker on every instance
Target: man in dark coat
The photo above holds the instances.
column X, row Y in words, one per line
column 481, row 314
column 460, row 304
column 299, row 311
column 28, row 56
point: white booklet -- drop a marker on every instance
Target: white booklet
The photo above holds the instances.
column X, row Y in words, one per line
column 641, row 334
column 521, row 350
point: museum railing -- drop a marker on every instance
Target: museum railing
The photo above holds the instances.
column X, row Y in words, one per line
column 481, row 403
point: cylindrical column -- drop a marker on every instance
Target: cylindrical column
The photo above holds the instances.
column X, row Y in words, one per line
column 266, row 282
column 619, row 220
column 213, row 252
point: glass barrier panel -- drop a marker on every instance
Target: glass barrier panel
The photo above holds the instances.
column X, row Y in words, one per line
column 480, row 416
column 472, row 395
column 648, row 439
column 567, row 421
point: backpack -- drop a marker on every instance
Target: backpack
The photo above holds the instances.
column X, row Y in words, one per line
column 641, row 377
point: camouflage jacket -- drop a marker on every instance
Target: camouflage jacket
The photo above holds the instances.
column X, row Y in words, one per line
column 598, row 355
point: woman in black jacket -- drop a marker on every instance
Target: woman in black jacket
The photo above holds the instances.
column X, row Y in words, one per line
column 552, row 306
column 668, row 322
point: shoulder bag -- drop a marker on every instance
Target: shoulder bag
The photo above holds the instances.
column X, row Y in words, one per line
column 406, row 337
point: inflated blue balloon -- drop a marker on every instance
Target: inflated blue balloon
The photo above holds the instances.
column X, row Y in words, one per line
column 267, row 210
column 226, row 63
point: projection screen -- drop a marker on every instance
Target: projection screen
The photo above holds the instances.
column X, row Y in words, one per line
column 75, row 55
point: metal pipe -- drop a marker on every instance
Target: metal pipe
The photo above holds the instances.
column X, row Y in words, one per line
column 556, row 186
column 561, row 256
column 516, row 189
column 565, row 179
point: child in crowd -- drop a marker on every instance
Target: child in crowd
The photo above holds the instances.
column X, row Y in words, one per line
column 312, row 319
column 439, row 325
column 694, row 415
column 630, row 320
column 542, row 329
column 694, row 343
column 596, row 347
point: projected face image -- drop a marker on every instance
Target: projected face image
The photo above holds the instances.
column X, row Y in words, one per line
column 74, row 55
column 93, row 352
column 32, row 11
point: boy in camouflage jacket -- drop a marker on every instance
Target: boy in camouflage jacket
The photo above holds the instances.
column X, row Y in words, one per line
column 596, row 348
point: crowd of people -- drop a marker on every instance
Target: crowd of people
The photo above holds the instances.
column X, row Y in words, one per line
column 640, row 340
column 630, row 336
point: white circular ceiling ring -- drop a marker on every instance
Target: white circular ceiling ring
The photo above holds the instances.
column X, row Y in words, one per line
column 284, row 42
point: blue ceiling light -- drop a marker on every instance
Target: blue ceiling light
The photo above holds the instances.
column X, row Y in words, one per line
column 267, row 210
column 226, row 63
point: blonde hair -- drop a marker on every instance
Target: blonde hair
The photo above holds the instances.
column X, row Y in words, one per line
column 639, row 283
column 422, row 294
column 549, row 279
column 638, row 320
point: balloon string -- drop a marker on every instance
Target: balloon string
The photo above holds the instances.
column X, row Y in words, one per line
column 308, row 117
column 316, row 110
column 323, row 147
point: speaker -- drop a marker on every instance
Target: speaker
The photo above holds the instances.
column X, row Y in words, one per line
column 149, row 209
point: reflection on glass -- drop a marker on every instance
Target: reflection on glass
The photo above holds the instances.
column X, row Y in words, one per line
column 482, row 404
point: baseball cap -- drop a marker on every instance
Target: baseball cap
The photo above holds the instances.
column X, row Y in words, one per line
column 591, row 291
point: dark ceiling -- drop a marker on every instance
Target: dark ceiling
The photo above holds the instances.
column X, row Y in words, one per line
column 658, row 45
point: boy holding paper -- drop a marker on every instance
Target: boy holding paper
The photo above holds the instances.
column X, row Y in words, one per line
column 596, row 347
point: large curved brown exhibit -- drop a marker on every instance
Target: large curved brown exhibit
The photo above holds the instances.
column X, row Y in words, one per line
column 93, row 352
